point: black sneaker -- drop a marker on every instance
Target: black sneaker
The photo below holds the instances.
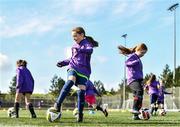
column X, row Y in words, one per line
column 136, row 118
column 33, row 116
column 80, row 118
column 105, row 112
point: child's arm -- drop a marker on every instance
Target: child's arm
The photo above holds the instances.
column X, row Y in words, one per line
column 63, row 63
column 146, row 88
column 165, row 92
column 19, row 78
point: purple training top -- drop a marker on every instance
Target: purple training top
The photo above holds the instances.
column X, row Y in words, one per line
column 81, row 56
column 90, row 89
column 134, row 68
column 153, row 88
column 24, row 80
column 162, row 91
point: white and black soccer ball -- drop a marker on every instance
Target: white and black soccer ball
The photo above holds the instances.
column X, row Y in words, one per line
column 75, row 112
column 52, row 115
column 11, row 112
column 162, row 112
column 144, row 114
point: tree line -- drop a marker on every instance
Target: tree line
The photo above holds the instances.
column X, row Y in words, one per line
column 57, row 83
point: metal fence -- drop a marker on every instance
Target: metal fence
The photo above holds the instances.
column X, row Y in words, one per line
column 112, row 102
column 172, row 101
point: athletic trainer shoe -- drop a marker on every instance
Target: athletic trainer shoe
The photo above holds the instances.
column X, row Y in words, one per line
column 135, row 112
column 33, row 116
column 105, row 112
column 80, row 117
column 136, row 117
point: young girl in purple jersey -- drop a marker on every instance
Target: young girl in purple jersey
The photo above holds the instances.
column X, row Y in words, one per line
column 79, row 69
column 135, row 74
column 152, row 86
column 90, row 97
column 24, row 86
column 162, row 91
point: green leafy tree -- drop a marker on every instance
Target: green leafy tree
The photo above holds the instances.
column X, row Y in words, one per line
column 56, row 86
column 12, row 86
column 146, row 78
column 100, row 87
column 177, row 78
column 112, row 91
column 167, row 76
column 127, row 89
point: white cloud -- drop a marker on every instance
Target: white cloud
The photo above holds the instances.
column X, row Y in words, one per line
column 39, row 24
column 35, row 25
column 79, row 7
column 129, row 8
column 87, row 7
column 2, row 19
column 101, row 59
column 5, row 64
column 120, row 8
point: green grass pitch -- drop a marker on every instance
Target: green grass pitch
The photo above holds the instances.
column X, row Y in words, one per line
column 117, row 118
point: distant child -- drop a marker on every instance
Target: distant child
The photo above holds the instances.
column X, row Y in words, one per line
column 90, row 97
column 24, row 86
column 135, row 74
column 152, row 86
column 162, row 91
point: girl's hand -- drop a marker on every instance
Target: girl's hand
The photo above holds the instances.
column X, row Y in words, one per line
column 59, row 64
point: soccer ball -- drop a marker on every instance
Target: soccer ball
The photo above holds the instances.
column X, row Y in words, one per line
column 11, row 112
column 52, row 115
column 91, row 112
column 144, row 114
column 162, row 112
column 75, row 112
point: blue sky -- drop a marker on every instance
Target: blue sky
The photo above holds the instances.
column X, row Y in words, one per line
column 40, row 32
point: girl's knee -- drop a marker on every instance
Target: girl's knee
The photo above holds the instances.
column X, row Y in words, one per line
column 82, row 87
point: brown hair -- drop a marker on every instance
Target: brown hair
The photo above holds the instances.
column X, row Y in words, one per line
column 21, row 63
column 80, row 30
column 125, row 51
column 151, row 79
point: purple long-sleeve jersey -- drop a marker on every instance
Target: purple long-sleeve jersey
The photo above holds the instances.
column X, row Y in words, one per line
column 81, row 57
column 90, row 89
column 153, row 88
column 162, row 91
column 24, row 80
column 134, row 68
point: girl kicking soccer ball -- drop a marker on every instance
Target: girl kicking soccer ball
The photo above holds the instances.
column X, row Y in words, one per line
column 134, row 69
